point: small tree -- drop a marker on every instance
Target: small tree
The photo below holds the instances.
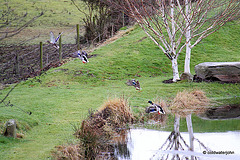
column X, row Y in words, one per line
column 100, row 21
column 169, row 22
column 203, row 18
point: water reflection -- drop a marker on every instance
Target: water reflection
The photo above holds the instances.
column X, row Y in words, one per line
column 120, row 144
column 144, row 144
column 215, row 143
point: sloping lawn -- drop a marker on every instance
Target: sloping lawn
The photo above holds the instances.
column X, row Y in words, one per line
column 61, row 98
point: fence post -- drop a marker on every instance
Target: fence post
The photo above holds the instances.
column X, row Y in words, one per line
column 60, row 48
column 123, row 18
column 41, row 55
column 78, row 38
column 17, row 63
column 112, row 30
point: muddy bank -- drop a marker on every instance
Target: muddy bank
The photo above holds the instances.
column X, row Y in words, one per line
column 198, row 80
column 231, row 111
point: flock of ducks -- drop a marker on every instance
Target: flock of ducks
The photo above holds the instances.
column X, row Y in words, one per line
column 82, row 55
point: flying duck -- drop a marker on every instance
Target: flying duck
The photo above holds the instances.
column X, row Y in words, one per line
column 53, row 41
column 82, row 56
column 155, row 108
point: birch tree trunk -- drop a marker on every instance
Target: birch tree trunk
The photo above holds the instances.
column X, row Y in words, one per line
column 188, row 37
column 175, row 69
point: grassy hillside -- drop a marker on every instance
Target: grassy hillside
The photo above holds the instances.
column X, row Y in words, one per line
column 58, row 16
column 62, row 96
column 57, row 13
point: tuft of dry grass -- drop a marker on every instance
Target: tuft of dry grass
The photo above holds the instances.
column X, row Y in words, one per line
column 72, row 152
column 97, row 131
column 117, row 111
column 187, row 102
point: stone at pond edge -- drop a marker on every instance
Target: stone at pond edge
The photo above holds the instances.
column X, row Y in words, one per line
column 10, row 129
column 231, row 111
column 223, row 71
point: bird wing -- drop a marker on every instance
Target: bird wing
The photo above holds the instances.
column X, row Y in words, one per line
column 58, row 37
column 138, row 84
column 129, row 83
column 134, row 82
column 85, row 58
column 160, row 109
column 79, row 55
column 52, row 40
column 84, row 53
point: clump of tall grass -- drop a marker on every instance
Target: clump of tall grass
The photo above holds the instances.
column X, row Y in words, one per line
column 68, row 152
column 187, row 102
column 96, row 132
column 116, row 112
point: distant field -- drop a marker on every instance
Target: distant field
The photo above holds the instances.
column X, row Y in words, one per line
column 59, row 16
column 57, row 13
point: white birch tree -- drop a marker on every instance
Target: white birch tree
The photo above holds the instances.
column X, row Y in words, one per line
column 204, row 17
column 177, row 24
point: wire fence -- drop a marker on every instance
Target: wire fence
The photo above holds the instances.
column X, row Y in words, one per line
column 19, row 62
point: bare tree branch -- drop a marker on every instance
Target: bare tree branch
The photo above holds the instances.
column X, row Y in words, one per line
column 8, row 93
column 169, row 22
column 8, row 18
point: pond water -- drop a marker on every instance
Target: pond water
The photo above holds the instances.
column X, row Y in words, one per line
column 144, row 144
column 218, row 130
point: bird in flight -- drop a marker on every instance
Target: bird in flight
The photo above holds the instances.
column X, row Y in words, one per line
column 53, row 41
column 83, row 56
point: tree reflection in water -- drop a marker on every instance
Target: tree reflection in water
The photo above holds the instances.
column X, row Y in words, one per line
column 175, row 142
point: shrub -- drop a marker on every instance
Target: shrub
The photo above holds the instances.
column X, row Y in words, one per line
column 96, row 132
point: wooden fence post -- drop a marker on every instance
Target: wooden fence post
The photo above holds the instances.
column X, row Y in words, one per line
column 123, row 18
column 60, row 48
column 17, row 63
column 41, row 55
column 112, row 30
column 78, row 37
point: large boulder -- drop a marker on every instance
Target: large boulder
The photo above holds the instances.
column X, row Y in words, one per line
column 223, row 71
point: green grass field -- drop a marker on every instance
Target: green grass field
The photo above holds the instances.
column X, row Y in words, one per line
column 62, row 97
column 58, row 16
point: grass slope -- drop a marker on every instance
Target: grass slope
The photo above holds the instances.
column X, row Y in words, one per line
column 59, row 16
column 62, row 97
